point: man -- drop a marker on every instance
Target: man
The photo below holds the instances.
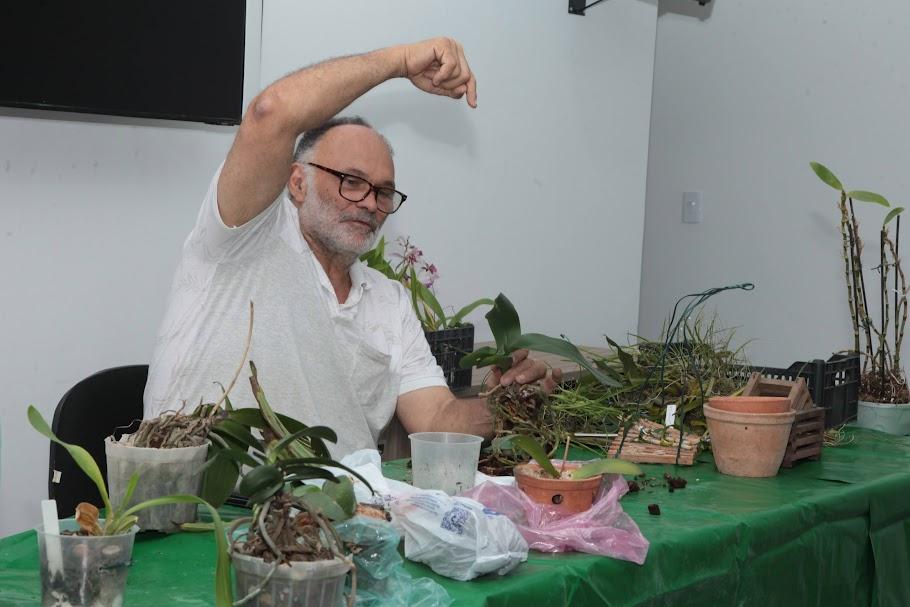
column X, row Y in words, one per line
column 335, row 343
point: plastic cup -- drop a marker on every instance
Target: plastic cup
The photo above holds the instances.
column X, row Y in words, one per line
column 78, row 570
column 444, row 460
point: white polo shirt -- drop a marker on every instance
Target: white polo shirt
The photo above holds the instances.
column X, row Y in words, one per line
column 324, row 363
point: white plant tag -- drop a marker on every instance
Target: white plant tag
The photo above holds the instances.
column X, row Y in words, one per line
column 670, row 417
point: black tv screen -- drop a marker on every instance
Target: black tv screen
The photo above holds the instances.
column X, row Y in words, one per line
column 174, row 59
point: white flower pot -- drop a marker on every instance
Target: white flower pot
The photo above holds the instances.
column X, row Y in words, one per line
column 161, row 472
column 888, row 417
column 299, row 584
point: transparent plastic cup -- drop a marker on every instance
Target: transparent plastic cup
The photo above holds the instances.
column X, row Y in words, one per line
column 444, row 460
column 83, row 571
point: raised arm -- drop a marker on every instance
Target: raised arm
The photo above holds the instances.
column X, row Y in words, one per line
column 259, row 163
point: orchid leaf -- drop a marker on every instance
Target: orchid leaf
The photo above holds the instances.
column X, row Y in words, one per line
column 504, row 324
column 534, row 449
column 892, row 214
column 868, row 197
column 457, row 319
column 262, row 482
column 342, row 493
column 322, row 504
column 224, row 596
column 565, row 349
column 605, row 466
column 128, row 494
column 427, row 297
column 83, row 458
column 473, row 359
column 827, row 176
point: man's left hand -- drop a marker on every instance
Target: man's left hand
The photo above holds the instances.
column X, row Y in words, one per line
column 526, row 370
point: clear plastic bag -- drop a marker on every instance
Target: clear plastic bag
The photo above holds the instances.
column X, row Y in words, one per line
column 457, row 537
column 381, row 579
column 602, row 529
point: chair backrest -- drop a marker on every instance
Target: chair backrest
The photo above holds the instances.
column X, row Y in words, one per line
column 106, row 403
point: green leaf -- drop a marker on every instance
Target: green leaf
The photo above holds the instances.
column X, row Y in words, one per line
column 469, row 360
column 868, row 197
column 459, row 316
column 324, row 505
column 82, row 457
column 504, row 324
column 224, row 595
column 287, row 441
column 628, row 362
column 826, row 175
column 605, row 466
column 262, row 482
column 892, row 214
column 342, row 493
column 248, row 417
column 430, row 300
column 565, row 349
column 128, row 494
column 241, row 435
column 221, row 476
column 323, row 461
column 534, row 449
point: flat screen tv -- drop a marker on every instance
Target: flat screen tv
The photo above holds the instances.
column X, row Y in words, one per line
column 173, row 59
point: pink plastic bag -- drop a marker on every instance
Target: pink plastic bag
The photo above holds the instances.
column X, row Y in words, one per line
column 602, row 529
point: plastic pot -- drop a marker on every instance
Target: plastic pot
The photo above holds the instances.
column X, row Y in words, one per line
column 83, row 571
column 298, row 584
column 893, row 418
column 161, row 472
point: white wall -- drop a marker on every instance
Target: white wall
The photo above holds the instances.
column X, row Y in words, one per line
column 745, row 95
column 539, row 193
column 536, row 193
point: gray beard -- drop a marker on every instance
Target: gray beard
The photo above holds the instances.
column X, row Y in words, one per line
column 320, row 221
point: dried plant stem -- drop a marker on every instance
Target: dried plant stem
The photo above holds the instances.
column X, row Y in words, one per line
column 847, row 242
column 246, row 351
column 565, row 455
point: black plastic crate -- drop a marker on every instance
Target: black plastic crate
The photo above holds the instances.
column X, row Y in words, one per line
column 834, row 384
column 449, row 346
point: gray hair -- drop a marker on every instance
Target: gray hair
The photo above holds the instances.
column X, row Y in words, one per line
column 310, row 138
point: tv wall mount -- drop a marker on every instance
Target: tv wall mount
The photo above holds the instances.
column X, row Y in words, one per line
column 578, row 7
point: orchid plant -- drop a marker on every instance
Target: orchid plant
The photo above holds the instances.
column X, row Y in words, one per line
column 418, row 276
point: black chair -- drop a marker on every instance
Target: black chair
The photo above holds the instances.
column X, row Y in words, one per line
column 108, row 402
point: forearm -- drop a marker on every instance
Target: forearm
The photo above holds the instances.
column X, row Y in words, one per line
column 259, row 163
column 310, row 96
column 465, row 415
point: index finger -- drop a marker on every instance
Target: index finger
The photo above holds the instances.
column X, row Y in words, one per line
column 471, row 84
column 519, row 355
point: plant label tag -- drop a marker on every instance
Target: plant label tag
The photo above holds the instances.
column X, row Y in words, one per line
column 670, row 417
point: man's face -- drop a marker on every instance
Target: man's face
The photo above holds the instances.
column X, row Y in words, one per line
column 336, row 224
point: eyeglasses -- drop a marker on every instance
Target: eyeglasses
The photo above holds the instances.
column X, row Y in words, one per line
column 355, row 189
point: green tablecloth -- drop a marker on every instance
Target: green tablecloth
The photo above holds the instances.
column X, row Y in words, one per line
column 833, row 532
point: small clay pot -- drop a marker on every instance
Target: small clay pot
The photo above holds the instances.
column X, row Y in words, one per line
column 751, row 404
column 567, row 496
column 748, row 444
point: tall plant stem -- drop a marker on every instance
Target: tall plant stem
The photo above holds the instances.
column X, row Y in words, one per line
column 883, row 338
column 897, row 242
column 860, row 281
column 900, row 311
column 847, row 242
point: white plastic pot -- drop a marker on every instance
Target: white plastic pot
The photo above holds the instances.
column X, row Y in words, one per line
column 298, row 584
column 893, row 418
column 161, row 472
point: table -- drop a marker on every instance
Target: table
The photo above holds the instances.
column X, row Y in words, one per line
column 833, row 532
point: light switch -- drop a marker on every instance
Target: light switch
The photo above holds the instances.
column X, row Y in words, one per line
column 691, row 212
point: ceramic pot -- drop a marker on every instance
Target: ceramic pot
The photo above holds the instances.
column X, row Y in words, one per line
column 748, row 444
column 751, row 404
column 567, row 496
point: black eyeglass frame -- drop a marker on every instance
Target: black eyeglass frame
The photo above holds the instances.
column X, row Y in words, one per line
column 374, row 189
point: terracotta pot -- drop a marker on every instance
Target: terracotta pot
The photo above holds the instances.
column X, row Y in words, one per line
column 748, row 444
column 567, row 496
column 751, row 404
